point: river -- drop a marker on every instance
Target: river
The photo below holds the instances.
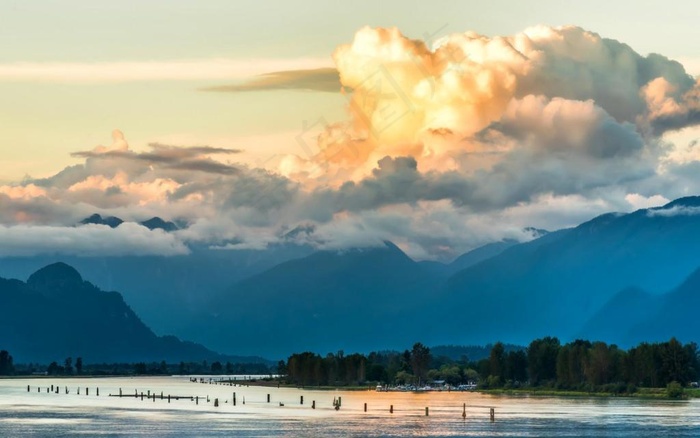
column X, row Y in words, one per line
column 38, row 413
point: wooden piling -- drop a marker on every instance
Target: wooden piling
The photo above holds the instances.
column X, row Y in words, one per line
column 141, row 395
column 56, row 389
column 340, row 401
column 391, row 409
column 66, row 389
column 427, row 411
column 87, row 391
column 149, row 394
column 268, row 398
column 301, row 401
column 464, row 410
column 313, row 404
column 493, row 414
column 168, row 398
column 197, row 400
column 161, row 395
column 365, row 407
column 27, row 388
column 98, row 391
column 216, row 402
column 234, row 399
column 51, row 388
column 120, row 392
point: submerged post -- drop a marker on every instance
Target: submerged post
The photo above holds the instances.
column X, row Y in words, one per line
column 426, row 411
column 268, row 398
column 120, row 392
column 168, row 398
column 365, row 407
column 87, row 391
column 464, row 410
column 197, row 400
column 216, row 402
column 301, row 401
column 234, row 399
column 27, row 388
column 98, row 391
column 313, row 404
column 391, row 409
column 493, row 414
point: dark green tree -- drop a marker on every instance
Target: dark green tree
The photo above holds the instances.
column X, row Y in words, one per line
column 6, row 364
column 420, row 361
column 497, row 364
column 542, row 360
column 79, row 365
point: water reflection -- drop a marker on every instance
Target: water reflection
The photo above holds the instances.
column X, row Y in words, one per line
column 51, row 414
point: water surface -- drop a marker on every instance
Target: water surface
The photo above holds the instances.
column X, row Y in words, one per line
column 41, row 414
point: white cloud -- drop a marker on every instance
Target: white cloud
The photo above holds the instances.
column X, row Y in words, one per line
column 88, row 240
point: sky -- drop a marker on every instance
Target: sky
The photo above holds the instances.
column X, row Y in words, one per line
column 438, row 125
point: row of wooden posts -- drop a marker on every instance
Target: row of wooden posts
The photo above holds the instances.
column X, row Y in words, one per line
column 337, row 402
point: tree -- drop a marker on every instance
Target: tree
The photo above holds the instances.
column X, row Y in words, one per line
column 140, row 368
column 420, row 361
column 6, row 365
column 68, row 365
column 216, row 367
column 79, row 365
column 675, row 362
column 542, row 360
column 496, row 365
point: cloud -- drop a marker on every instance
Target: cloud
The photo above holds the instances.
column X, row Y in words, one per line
column 174, row 70
column 445, row 148
column 320, row 79
column 676, row 210
column 170, row 157
column 87, row 240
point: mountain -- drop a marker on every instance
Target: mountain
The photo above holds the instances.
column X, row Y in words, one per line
column 168, row 292
column 110, row 221
column 613, row 322
column 480, row 254
column 358, row 299
column 649, row 318
column 156, row 223
column 56, row 314
column 555, row 284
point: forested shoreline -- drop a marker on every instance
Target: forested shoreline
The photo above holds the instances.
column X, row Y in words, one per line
column 580, row 365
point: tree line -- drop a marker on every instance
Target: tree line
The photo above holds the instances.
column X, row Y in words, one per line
column 69, row 367
column 577, row 365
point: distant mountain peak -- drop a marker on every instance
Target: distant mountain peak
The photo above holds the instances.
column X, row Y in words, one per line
column 688, row 201
column 535, row 232
column 160, row 224
column 57, row 276
column 110, row 221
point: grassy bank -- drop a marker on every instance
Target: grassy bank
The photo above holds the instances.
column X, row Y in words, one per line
column 654, row 393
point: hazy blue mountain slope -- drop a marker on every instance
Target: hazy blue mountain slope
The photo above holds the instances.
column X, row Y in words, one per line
column 352, row 300
column 168, row 292
column 555, row 284
column 56, row 314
